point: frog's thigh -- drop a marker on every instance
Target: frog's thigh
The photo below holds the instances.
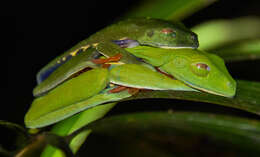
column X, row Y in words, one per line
column 65, row 71
column 57, row 104
column 138, row 76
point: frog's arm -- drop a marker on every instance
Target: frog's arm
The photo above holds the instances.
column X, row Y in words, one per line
column 138, row 76
column 109, row 49
column 58, row 103
column 198, row 69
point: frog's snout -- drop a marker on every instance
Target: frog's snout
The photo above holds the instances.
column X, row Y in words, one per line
column 195, row 40
column 231, row 87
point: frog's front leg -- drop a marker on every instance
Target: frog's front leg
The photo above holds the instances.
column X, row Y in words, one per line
column 109, row 49
column 143, row 77
column 105, row 62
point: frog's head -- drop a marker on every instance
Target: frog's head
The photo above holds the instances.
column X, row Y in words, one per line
column 202, row 71
column 164, row 34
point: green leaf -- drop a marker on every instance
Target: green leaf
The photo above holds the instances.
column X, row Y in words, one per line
column 216, row 33
column 246, row 98
column 245, row 50
column 180, row 133
column 168, row 9
column 73, row 123
column 40, row 141
column 17, row 138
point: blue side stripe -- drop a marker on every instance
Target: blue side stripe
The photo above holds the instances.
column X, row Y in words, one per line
column 46, row 73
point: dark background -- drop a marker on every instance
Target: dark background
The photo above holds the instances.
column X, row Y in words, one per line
column 33, row 34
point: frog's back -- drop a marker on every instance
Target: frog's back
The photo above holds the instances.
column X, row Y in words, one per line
column 129, row 28
column 63, row 58
column 105, row 34
column 102, row 35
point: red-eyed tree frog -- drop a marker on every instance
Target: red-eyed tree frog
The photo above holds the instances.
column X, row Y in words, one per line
column 126, row 33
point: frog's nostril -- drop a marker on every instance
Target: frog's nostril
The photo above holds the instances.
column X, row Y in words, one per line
column 229, row 84
column 194, row 39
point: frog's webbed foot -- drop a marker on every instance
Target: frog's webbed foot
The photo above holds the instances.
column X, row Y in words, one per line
column 133, row 91
column 107, row 61
column 118, row 89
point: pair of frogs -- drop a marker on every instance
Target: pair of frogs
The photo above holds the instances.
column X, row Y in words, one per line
column 120, row 60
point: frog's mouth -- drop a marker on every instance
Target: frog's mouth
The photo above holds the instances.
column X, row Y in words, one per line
column 182, row 45
column 126, row 43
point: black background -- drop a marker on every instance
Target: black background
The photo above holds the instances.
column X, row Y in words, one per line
column 33, row 34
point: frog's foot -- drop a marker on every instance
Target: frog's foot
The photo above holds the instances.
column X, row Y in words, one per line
column 164, row 73
column 133, row 91
column 126, row 43
column 107, row 61
column 118, row 89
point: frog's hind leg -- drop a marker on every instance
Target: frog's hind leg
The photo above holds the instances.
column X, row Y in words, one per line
column 143, row 77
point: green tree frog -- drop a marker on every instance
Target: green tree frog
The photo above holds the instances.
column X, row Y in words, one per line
column 144, row 31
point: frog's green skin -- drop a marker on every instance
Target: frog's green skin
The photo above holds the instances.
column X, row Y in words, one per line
column 146, row 31
column 68, row 69
column 92, row 88
column 197, row 69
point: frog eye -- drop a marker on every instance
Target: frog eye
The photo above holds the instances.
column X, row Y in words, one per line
column 150, row 33
column 200, row 69
column 169, row 31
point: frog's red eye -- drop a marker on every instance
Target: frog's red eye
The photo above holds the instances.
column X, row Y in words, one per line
column 200, row 69
column 202, row 66
column 167, row 31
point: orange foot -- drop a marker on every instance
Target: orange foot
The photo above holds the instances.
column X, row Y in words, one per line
column 102, row 61
column 118, row 89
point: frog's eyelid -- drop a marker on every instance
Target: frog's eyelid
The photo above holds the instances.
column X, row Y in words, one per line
column 167, row 31
column 203, row 66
